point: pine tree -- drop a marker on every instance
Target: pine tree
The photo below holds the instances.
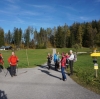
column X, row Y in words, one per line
column 79, row 36
column 1, row 37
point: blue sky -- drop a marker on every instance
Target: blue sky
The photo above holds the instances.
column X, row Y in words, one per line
column 46, row 13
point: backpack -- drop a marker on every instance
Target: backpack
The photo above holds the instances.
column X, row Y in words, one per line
column 75, row 58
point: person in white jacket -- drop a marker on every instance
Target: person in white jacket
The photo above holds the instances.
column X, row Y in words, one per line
column 71, row 61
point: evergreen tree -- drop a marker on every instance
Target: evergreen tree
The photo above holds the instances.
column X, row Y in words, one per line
column 79, row 36
column 27, row 37
column 1, row 37
column 9, row 37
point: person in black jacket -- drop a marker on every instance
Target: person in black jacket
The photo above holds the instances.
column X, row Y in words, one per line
column 49, row 58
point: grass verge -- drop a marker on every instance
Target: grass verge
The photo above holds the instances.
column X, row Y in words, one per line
column 35, row 57
column 85, row 74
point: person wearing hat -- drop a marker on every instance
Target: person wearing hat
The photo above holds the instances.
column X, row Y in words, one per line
column 71, row 60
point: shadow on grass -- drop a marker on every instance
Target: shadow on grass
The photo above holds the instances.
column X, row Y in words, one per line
column 48, row 73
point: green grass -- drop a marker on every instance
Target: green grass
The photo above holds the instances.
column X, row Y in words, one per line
column 35, row 57
column 68, row 49
column 84, row 72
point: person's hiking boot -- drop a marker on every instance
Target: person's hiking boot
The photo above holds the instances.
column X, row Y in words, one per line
column 65, row 79
column 61, row 79
column 15, row 75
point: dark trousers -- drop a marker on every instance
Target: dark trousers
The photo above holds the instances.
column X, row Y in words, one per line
column 13, row 70
column 49, row 65
column 63, row 73
column 1, row 67
column 67, row 63
column 56, row 65
column 71, row 66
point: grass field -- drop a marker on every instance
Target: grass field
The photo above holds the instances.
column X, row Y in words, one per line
column 35, row 57
column 84, row 72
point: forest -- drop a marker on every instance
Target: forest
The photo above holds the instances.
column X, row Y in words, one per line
column 86, row 34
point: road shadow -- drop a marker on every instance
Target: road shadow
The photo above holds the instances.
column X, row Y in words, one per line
column 1, row 68
column 43, row 66
column 46, row 67
column 8, row 71
column 48, row 73
column 3, row 95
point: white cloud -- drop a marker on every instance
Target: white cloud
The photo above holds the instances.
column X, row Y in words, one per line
column 77, row 17
column 2, row 20
column 46, row 7
column 4, row 12
column 40, row 6
column 12, row 7
column 84, row 18
column 19, row 20
column 12, row 1
column 28, row 13
column 97, row 0
column 71, row 8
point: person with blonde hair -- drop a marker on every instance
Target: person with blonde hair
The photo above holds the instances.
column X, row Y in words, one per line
column 49, row 58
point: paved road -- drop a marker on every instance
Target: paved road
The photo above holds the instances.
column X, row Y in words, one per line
column 41, row 83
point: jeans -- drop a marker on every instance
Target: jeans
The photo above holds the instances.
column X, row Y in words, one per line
column 63, row 73
column 56, row 65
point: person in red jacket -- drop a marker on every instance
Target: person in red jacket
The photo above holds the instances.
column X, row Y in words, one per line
column 13, row 59
column 1, row 59
column 1, row 62
column 67, row 61
column 63, row 66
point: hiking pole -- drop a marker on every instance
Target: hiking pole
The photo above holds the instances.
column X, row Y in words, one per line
column 3, row 67
column 17, row 68
column 7, row 71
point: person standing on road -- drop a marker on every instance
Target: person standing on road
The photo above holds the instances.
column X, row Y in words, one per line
column 13, row 60
column 71, row 60
column 1, row 59
column 63, row 66
column 56, row 61
column 49, row 58
column 1, row 62
column 67, row 61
